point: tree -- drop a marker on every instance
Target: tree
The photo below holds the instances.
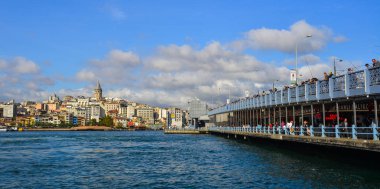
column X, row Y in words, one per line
column 106, row 121
column 93, row 122
column 119, row 125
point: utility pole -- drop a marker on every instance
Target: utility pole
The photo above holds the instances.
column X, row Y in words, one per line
column 297, row 58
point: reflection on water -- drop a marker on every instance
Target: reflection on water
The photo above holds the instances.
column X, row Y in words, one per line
column 155, row 160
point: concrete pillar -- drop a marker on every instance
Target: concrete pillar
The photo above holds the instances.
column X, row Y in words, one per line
column 274, row 116
column 294, row 116
column 376, row 118
column 301, row 115
column 253, row 116
column 269, row 116
column 354, row 108
column 286, row 114
column 323, row 114
column 337, row 113
column 312, row 114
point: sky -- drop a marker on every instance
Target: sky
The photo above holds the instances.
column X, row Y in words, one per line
column 166, row 52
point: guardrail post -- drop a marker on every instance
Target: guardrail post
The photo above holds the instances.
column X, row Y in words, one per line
column 331, row 87
column 317, row 90
column 367, row 81
column 354, row 132
column 301, row 130
column 311, row 131
column 347, row 85
column 323, row 131
column 307, row 91
column 337, row 131
column 375, row 133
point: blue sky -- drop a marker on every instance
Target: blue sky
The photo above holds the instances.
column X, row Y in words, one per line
column 70, row 42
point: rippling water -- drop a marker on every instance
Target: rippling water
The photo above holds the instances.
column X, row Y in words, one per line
column 155, row 160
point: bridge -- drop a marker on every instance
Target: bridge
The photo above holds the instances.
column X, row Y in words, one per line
column 341, row 112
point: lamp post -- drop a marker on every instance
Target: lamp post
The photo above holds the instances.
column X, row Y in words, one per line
column 297, row 58
column 339, row 60
column 273, row 85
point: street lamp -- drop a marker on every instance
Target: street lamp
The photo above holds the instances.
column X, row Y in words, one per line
column 273, row 84
column 339, row 60
column 297, row 58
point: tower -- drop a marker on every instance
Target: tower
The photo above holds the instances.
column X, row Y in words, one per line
column 98, row 92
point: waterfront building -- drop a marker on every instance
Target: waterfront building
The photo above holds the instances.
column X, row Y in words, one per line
column 120, row 122
column 123, row 110
column 8, row 110
column 53, row 99
column 108, row 106
column 68, row 98
column 53, row 106
column 130, row 111
column 146, row 114
column 39, row 106
column 175, row 117
column 197, row 109
column 94, row 112
column 83, row 102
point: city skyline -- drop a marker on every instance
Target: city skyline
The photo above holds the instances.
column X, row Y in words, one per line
column 169, row 52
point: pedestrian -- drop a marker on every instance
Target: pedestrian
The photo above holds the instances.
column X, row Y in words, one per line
column 345, row 128
column 375, row 63
column 326, row 77
column 306, row 127
column 349, row 70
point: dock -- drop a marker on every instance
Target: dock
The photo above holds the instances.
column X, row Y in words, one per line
column 186, row 131
column 334, row 141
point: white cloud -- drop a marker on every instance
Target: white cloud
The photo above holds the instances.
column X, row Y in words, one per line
column 85, row 75
column 115, row 12
column 176, row 73
column 3, row 64
column 24, row 81
column 116, row 67
column 285, row 40
column 23, row 66
column 209, row 73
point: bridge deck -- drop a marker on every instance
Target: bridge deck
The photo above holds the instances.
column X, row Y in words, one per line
column 360, row 144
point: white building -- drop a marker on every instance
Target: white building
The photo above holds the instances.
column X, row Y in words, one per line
column 8, row 110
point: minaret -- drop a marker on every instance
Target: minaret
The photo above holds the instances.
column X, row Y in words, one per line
column 98, row 92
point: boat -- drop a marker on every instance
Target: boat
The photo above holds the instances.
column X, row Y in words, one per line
column 3, row 129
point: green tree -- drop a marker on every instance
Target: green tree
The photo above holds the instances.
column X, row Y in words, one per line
column 106, row 121
column 93, row 122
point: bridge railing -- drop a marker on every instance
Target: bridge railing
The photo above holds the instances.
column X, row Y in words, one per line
column 351, row 133
column 359, row 83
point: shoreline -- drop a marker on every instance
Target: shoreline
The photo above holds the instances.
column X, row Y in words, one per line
column 84, row 128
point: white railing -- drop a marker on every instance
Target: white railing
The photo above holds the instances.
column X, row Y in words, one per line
column 353, row 132
column 359, row 83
